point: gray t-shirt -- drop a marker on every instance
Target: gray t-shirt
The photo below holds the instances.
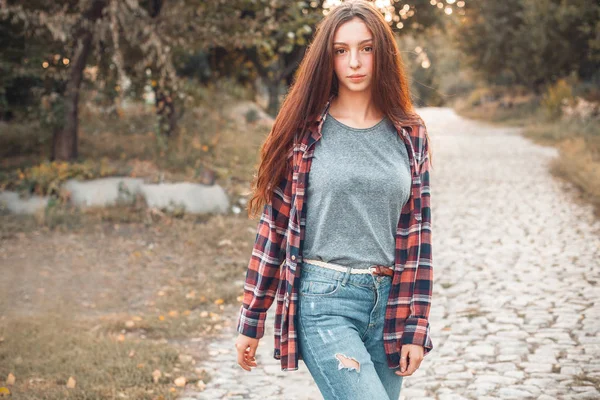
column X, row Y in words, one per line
column 358, row 183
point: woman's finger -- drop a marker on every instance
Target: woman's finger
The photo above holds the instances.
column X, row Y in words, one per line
column 242, row 361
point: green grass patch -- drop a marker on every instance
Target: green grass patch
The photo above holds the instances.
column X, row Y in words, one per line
column 44, row 352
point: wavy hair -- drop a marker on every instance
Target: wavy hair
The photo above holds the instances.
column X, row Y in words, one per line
column 315, row 81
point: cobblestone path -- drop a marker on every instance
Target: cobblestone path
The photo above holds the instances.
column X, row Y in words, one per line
column 516, row 301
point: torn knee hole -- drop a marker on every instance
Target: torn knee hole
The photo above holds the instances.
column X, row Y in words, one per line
column 347, row 362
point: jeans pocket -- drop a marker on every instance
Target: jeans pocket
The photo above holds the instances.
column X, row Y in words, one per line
column 313, row 285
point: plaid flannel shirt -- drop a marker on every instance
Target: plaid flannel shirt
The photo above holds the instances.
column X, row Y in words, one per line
column 274, row 268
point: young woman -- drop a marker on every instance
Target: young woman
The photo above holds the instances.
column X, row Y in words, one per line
column 347, row 255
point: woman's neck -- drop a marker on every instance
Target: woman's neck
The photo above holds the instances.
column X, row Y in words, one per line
column 357, row 107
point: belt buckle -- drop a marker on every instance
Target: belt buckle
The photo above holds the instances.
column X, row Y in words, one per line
column 372, row 269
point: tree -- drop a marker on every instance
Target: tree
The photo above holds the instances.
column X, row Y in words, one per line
column 531, row 43
column 102, row 28
column 274, row 34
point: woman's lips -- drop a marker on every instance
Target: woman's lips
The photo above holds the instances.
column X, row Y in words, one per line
column 357, row 78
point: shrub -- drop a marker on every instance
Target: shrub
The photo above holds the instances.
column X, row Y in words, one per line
column 556, row 97
column 46, row 178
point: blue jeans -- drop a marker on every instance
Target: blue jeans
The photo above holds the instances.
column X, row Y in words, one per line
column 340, row 333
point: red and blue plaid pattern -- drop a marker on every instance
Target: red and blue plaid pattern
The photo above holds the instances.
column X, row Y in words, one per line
column 274, row 268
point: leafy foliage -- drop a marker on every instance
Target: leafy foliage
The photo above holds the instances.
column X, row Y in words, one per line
column 532, row 43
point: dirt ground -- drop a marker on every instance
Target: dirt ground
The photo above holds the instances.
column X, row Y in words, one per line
column 163, row 283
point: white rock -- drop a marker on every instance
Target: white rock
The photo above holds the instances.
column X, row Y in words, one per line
column 17, row 205
column 194, row 198
column 102, row 192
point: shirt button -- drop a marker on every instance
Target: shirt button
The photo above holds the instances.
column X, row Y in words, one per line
column 293, row 257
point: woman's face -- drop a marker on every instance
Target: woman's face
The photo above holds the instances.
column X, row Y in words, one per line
column 353, row 55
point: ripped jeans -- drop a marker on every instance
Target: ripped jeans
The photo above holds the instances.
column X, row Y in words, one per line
column 340, row 334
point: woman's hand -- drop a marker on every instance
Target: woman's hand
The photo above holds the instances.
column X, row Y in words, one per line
column 246, row 350
column 414, row 352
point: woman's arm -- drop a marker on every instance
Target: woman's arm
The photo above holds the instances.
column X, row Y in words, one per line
column 268, row 253
column 417, row 325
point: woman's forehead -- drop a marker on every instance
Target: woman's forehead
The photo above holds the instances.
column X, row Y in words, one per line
column 353, row 32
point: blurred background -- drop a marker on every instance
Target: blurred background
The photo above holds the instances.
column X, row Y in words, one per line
column 130, row 131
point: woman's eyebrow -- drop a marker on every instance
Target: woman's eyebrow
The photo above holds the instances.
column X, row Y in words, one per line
column 361, row 42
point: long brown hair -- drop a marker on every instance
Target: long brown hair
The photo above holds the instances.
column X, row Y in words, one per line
column 315, row 81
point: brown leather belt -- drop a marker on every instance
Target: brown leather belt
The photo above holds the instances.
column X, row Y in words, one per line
column 373, row 269
column 382, row 270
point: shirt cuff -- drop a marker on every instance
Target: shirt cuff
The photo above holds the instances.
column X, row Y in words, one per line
column 251, row 323
column 416, row 331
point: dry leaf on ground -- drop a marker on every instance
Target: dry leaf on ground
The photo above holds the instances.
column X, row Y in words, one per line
column 156, row 375
column 71, row 383
column 180, row 381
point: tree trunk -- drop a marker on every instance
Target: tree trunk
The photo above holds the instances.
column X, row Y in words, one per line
column 64, row 146
column 273, row 87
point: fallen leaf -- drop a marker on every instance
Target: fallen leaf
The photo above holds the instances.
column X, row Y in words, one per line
column 71, row 383
column 180, row 381
column 10, row 380
column 121, row 337
column 132, row 353
column 136, row 318
column 173, row 313
column 4, row 392
column 219, row 301
column 161, row 317
column 130, row 324
column 156, row 375
column 201, row 385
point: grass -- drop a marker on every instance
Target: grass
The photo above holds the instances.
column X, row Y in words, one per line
column 79, row 300
column 44, row 352
column 108, row 296
column 148, row 280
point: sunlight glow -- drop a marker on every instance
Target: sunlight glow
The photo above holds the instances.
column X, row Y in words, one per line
column 391, row 14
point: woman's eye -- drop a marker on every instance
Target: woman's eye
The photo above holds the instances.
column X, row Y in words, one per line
column 337, row 51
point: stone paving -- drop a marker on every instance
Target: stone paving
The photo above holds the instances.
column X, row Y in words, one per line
column 516, row 301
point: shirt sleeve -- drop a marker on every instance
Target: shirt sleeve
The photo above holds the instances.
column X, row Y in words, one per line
column 417, row 329
column 268, row 253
